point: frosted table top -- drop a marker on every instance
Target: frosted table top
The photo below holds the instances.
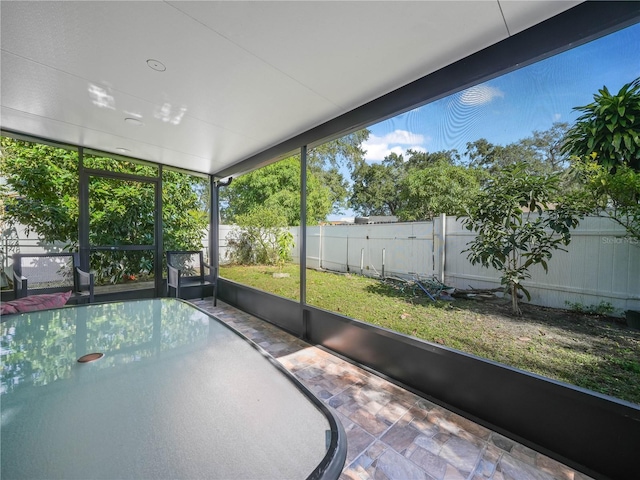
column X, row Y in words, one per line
column 178, row 394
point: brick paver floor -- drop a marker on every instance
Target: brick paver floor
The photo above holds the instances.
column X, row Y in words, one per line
column 393, row 434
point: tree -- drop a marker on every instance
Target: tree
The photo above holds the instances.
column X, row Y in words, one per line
column 605, row 144
column 325, row 161
column 44, row 185
column 417, row 160
column 493, row 158
column 440, row 187
column 608, row 127
column 185, row 210
column 416, row 188
column 542, row 151
column 263, row 202
column 375, row 186
column 517, row 226
column 277, row 187
column 547, row 145
column 615, row 195
column 278, row 184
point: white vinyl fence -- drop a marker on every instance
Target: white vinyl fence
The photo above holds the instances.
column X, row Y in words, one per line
column 395, row 249
column 600, row 264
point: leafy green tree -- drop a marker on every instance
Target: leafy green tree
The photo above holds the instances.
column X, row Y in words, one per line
column 542, row 151
column 44, row 184
column 185, row 210
column 547, row 146
column 417, row 160
column 276, row 187
column 263, row 202
column 325, row 162
column 605, row 144
column 613, row 194
column 440, row 187
column 493, row 158
column 608, row 127
column 375, row 186
column 517, row 225
column 416, row 188
column 121, row 212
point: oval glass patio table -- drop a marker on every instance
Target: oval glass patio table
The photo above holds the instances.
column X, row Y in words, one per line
column 177, row 394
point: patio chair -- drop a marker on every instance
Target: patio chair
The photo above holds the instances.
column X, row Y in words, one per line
column 187, row 269
column 36, row 273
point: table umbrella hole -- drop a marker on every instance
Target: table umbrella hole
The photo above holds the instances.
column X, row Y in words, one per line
column 90, row 357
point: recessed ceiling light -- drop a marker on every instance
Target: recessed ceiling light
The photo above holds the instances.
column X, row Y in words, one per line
column 156, row 65
column 122, row 150
column 133, row 121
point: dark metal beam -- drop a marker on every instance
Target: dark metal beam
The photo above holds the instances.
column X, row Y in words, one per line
column 214, row 225
column 159, row 234
column 303, row 225
column 83, row 217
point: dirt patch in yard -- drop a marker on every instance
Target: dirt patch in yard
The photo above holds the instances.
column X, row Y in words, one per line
column 597, row 352
column 555, row 323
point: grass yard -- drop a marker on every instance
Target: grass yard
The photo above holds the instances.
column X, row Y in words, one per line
column 597, row 353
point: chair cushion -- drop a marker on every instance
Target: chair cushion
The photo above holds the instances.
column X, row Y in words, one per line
column 6, row 309
column 36, row 302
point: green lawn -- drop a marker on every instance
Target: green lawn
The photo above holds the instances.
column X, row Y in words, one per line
column 591, row 352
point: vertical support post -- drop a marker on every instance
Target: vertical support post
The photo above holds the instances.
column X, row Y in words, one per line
column 303, row 227
column 214, row 231
column 159, row 250
column 347, row 252
column 214, row 221
column 383, row 259
column 443, row 246
column 320, row 247
column 83, row 218
column 362, row 261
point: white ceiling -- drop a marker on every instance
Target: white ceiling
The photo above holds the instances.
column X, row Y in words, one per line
column 240, row 76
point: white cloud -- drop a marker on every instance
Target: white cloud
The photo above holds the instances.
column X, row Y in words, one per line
column 480, row 95
column 376, row 152
column 556, row 117
column 398, row 142
column 403, row 137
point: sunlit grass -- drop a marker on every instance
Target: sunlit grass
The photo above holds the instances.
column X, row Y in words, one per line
column 577, row 349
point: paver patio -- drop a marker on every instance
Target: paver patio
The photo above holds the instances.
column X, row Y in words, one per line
column 392, row 433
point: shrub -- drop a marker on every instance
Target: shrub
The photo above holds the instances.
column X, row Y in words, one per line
column 262, row 238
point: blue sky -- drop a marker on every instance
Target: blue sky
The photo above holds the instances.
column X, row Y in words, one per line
column 509, row 108
column 512, row 106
